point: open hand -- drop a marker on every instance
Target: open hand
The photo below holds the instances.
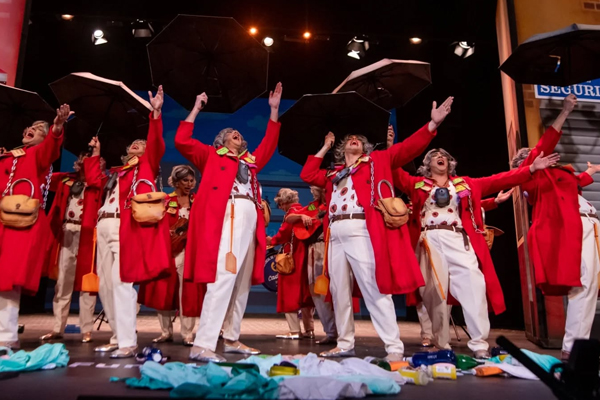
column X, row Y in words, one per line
column 275, row 96
column 157, row 101
column 592, row 168
column 542, row 162
column 503, row 196
column 62, row 115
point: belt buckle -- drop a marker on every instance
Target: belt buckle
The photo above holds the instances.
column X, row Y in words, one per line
column 453, row 228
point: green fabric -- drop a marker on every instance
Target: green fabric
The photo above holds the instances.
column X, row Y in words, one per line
column 43, row 356
column 543, row 360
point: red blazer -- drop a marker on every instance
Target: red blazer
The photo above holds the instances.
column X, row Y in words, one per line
column 397, row 270
column 23, row 252
column 206, row 219
column 418, row 188
column 163, row 294
column 61, row 184
column 145, row 250
column 293, row 292
column 556, row 234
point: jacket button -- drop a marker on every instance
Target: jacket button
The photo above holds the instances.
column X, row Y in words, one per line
column 222, row 168
column 214, row 188
column 368, row 181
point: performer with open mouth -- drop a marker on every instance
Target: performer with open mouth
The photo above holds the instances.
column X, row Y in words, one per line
column 359, row 242
column 226, row 238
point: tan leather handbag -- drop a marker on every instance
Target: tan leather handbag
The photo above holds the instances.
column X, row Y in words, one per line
column 284, row 262
column 148, row 208
column 19, row 210
column 393, row 209
column 266, row 211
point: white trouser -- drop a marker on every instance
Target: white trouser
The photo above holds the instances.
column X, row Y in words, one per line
column 307, row 320
column 63, row 291
column 316, row 252
column 581, row 307
column 119, row 299
column 225, row 299
column 165, row 318
column 457, row 269
column 424, row 321
column 351, row 253
column 9, row 315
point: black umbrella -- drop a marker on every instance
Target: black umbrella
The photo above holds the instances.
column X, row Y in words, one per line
column 388, row 83
column 18, row 110
column 104, row 107
column 560, row 58
column 305, row 124
column 216, row 55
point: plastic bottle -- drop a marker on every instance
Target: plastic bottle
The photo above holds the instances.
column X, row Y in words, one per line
column 278, row 370
column 443, row 371
column 397, row 365
column 488, row 370
column 380, row 362
column 415, row 376
column 430, row 358
column 465, row 362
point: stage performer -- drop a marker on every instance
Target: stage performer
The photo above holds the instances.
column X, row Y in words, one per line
column 359, row 244
column 293, row 293
column 309, row 217
column 128, row 252
column 26, row 171
column 446, row 229
column 73, row 219
column 172, row 292
column 226, row 239
column 563, row 237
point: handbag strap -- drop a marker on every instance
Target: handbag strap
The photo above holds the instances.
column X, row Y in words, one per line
column 46, row 187
column 128, row 200
column 11, row 176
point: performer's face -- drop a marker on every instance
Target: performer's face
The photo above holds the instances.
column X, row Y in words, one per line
column 186, row 184
column 35, row 134
column 284, row 206
column 137, row 148
column 354, row 145
column 233, row 140
column 439, row 163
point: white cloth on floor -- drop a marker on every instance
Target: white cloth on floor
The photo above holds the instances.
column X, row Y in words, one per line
column 311, row 365
column 309, row 388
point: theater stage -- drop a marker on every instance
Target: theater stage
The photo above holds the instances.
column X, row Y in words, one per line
column 82, row 380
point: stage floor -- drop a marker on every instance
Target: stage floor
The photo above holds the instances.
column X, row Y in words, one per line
column 93, row 380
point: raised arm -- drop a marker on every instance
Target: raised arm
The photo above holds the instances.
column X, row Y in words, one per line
column 311, row 172
column 493, row 202
column 49, row 150
column 92, row 166
column 155, row 144
column 404, row 181
column 551, row 137
column 404, row 152
column 192, row 149
column 267, row 146
column 585, row 178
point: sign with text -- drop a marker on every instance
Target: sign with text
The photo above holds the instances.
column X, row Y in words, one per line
column 586, row 91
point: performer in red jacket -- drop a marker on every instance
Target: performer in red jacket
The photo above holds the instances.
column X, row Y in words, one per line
column 446, row 228
column 26, row 171
column 293, row 293
column 73, row 218
column 563, row 236
column 128, row 252
column 226, row 218
column 173, row 293
column 359, row 242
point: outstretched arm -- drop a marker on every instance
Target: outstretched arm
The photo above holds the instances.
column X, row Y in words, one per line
column 192, row 149
column 404, row 181
column 267, row 146
column 155, row 144
column 311, row 172
column 585, row 178
column 49, row 150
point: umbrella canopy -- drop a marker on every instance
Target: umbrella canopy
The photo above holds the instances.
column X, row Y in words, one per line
column 305, row 124
column 18, row 110
column 216, row 55
column 104, row 107
column 560, row 58
column 388, row 83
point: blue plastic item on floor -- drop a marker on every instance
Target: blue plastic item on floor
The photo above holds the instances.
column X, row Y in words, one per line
column 44, row 357
column 72, row 328
column 434, row 357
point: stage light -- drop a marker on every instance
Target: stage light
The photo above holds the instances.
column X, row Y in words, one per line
column 357, row 47
column 98, row 37
column 306, row 35
column 464, row 49
column 416, row 40
column 67, row 17
column 253, row 31
column 268, row 41
column 141, row 29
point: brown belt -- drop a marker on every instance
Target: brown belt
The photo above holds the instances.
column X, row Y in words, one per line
column 104, row 215
column 450, row 228
column 589, row 215
column 347, row 216
column 72, row 221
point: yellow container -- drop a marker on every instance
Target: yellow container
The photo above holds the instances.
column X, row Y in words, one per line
column 443, row 371
column 278, row 370
column 415, row 376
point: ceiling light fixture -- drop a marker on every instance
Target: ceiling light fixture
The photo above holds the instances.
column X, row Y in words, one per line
column 464, row 49
column 268, row 41
column 98, row 37
column 357, row 47
column 141, row 29
column 416, row 40
column 253, row 31
column 67, row 17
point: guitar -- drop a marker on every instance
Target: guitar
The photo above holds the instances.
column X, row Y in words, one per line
column 301, row 231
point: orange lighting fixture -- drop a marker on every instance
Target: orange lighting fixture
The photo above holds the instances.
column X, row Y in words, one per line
column 67, row 17
column 253, row 31
column 306, row 35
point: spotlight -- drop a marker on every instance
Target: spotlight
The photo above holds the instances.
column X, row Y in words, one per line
column 416, row 40
column 306, row 35
column 141, row 29
column 98, row 37
column 268, row 41
column 464, row 49
column 357, row 47
column 67, row 17
column 253, row 31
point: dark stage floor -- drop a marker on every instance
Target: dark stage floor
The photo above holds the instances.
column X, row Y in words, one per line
column 92, row 380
